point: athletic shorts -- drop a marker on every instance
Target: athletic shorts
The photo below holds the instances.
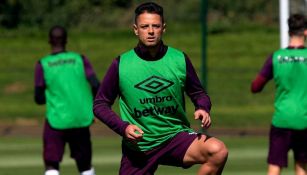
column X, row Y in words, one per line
column 146, row 163
column 282, row 140
column 78, row 139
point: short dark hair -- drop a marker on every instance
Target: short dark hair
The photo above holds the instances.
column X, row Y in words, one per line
column 149, row 7
column 57, row 35
column 297, row 24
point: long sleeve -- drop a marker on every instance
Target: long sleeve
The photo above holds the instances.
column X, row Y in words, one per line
column 90, row 75
column 39, row 85
column 194, row 89
column 265, row 74
column 107, row 93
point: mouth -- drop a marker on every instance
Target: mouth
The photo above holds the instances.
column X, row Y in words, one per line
column 151, row 39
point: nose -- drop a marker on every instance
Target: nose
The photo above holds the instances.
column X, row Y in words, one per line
column 150, row 30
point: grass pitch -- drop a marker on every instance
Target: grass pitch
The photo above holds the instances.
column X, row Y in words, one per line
column 247, row 156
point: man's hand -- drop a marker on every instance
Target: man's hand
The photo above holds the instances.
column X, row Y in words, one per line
column 205, row 118
column 133, row 133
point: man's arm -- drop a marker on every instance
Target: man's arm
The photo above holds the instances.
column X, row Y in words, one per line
column 265, row 75
column 39, row 85
column 194, row 89
column 198, row 95
column 107, row 93
column 90, row 75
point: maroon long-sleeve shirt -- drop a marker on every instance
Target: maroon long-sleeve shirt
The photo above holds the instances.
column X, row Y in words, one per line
column 109, row 90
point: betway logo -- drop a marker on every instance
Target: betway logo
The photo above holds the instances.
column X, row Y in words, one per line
column 167, row 110
column 291, row 59
column 61, row 62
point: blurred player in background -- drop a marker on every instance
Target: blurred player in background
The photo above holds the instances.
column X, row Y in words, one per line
column 66, row 82
column 151, row 80
column 288, row 68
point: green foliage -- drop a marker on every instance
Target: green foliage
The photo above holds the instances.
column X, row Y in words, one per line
column 10, row 13
column 47, row 13
column 85, row 14
column 225, row 14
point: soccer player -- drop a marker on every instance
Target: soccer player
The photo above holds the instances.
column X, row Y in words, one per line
column 288, row 68
column 66, row 82
column 150, row 81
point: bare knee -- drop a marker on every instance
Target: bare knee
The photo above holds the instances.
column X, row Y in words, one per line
column 217, row 152
column 300, row 168
column 215, row 155
column 204, row 151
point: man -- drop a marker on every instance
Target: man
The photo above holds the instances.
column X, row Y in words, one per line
column 288, row 131
column 150, row 81
column 66, row 82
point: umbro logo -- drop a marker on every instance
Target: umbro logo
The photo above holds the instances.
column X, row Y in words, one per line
column 154, row 84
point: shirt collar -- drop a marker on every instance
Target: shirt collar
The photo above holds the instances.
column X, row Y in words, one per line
column 142, row 52
column 55, row 53
column 296, row 47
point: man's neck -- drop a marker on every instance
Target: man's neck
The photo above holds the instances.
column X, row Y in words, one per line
column 153, row 50
column 151, row 54
column 57, row 49
column 297, row 41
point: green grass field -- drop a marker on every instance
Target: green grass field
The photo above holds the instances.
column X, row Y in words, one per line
column 247, row 156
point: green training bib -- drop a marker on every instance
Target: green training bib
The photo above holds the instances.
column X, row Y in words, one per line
column 290, row 76
column 152, row 96
column 68, row 93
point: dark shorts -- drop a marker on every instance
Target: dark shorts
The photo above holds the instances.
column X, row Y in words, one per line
column 78, row 139
column 146, row 163
column 282, row 140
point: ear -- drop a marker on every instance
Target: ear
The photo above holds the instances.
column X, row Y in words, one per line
column 135, row 29
column 164, row 27
column 305, row 32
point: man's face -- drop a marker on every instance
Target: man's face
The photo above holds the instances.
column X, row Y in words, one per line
column 149, row 29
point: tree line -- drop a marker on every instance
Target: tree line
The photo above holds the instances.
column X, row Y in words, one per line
column 111, row 13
